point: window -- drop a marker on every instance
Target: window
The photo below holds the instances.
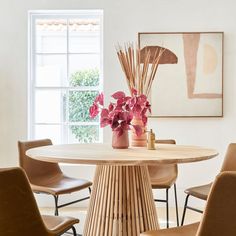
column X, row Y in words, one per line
column 65, row 74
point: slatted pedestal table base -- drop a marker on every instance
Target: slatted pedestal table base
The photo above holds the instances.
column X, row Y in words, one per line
column 121, row 203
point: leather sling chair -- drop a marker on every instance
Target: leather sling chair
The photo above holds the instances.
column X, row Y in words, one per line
column 19, row 213
column 219, row 217
column 202, row 191
column 46, row 177
column 163, row 176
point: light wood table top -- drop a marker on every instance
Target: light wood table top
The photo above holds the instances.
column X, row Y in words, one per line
column 104, row 154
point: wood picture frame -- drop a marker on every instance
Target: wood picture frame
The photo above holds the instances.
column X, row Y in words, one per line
column 192, row 84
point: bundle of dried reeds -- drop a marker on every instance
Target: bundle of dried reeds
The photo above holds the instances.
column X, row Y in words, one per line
column 139, row 66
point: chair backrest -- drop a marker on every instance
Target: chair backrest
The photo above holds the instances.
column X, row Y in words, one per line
column 229, row 163
column 160, row 171
column 35, row 169
column 19, row 214
column 219, row 218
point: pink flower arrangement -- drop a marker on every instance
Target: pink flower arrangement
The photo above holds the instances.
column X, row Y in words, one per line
column 120, row 113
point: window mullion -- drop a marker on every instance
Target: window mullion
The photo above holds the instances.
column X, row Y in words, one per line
column 85, row 123
column 32, row 77
column 79, row 88
column 101, row 67
column 67, row 83
column 62, row 53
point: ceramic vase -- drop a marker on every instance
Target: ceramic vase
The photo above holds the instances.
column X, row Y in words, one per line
column 120, row 141
column 139, row 141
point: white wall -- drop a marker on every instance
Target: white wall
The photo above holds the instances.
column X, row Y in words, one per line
column 122, row 21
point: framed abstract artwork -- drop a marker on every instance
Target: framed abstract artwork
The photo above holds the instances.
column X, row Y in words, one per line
column 189, row 79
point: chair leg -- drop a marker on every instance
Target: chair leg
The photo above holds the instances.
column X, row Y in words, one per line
column 74, row 231
column 167, row 208
column 176, row 205
column 185, row 207
column 56, row 205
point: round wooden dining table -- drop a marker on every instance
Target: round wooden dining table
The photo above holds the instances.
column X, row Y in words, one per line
column 121, row 202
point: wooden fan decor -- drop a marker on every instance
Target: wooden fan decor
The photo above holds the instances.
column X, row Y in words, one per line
column 168, row 57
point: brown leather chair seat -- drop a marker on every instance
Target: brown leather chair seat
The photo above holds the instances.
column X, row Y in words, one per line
column 46, row 177
column 57, row 224
column 61, row 184
column 163, row 176
column 219, row 216
column 201, row 192
column 188, row 230
column 19, row 213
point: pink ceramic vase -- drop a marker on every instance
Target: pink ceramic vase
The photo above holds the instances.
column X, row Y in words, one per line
column 120, row 142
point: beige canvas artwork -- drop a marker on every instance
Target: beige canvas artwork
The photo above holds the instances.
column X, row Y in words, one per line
column 189, row 82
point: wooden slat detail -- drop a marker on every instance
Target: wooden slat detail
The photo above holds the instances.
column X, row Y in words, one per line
column 108, row 206
column 92, row 200
column 121, row 203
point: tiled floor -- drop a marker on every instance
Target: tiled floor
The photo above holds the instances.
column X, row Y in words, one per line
column 80, row 213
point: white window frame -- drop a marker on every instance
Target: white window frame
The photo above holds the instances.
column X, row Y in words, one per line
column 66, row 14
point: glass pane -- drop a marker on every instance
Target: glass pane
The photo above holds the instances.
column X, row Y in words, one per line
column 51, row 35
column 51, row 70
column 84, row 36
column 49, row 106
column 82, row 62
column 79, row 103
column 54, row 132
column 86, row 77
column 83, row 134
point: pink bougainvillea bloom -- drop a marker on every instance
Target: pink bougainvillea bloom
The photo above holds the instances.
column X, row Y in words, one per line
column 120, row 113
column 93, row 110
column 127, row 107
column 144, row 119
column 134, row 92
column 148, row 105
column 120, row 102
column 110, row 107
column 127, row 98
column 104, row 113
column 137, row 109
column 124, row 125
column 104, row 122
column 130, row 117
column 142, row 100
column 138, row 130
column 143, row 113
column 119, row 108
column 118, row 95
column 133, row 101
column 114, row 124
column 100, row 99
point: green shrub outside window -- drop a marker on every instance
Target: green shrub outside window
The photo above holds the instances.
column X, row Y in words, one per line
column 79, row 103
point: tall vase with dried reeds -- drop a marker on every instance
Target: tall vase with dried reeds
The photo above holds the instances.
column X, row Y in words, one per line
column 140, row 67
